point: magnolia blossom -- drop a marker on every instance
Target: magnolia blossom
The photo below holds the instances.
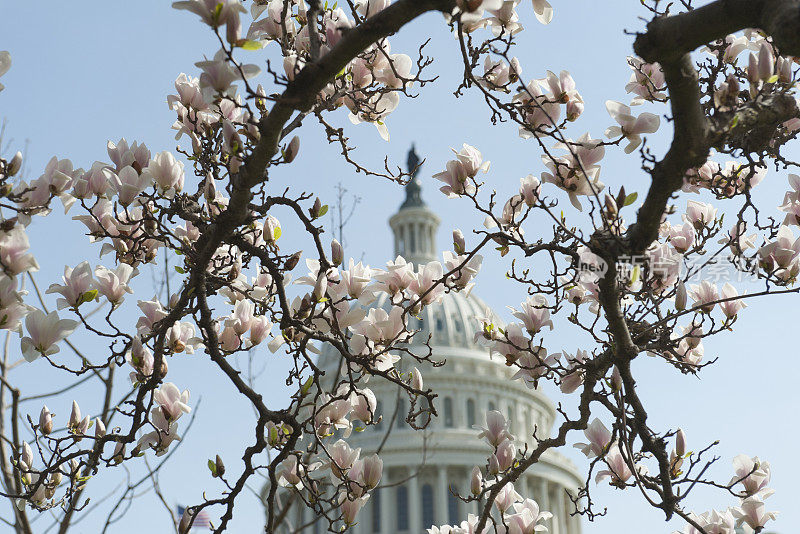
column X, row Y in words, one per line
column 459, row 172
column 781, row 254
column 753, row 512
column 714, row 522
column 630, row 127
column 166, row 172
column 704, row 295
column 540, row 112
column 180, row 338
column 172, row 401
column 681, row 237
column 534, row 314
column 753, row 474
column 496, row 430
column 77, row 288
column 44, row 332
column 218, row 74
column 647, row 81
column 14, row 254
column 114, row 284
column 699, row 214
column 731, row 307
column 618, row 469
column 599, row 437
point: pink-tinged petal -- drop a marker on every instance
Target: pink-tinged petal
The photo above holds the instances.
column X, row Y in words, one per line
column 543, row 11
column 646, row 123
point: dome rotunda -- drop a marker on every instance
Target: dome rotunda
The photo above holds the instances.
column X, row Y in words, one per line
column 422, row 469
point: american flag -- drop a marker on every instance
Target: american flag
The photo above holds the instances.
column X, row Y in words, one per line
column 201, row 520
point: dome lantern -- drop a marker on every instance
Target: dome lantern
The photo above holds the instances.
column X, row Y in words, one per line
column 414, row 225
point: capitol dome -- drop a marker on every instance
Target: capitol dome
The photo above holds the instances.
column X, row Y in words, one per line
column 421, row 467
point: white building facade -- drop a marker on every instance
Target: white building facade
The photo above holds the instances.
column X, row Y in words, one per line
column 421, row 467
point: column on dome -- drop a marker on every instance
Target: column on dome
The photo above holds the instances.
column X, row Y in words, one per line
column 523, row 488
column 558, row 509
column 542, row 497
column 440, row 502
column 388, row 512
column 562, row 510
column 460, row 410
column 414, row 504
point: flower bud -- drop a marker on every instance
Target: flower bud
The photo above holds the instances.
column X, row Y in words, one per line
column 373, row 469
column 272, row 229
column 459, row 243
column 74, row 417
column 616, row 380
column 186, row 521
column 119, row 453
column 476, row 481
column 574, row 109
column 15, row 164
column 611, row 207
column 680, row 296
column 293, row 260
column 337, row 253
column 291, row 150
column 506, row 454
column 416, row 379
column 680, row 443
column 99, row 428
column 316, row 210
column 45, row 421
column 27, row 455
column 220, row 466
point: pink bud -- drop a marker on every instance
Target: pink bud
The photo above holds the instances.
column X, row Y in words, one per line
column 494, row 465
column 337, row 253
column 373, row 469
column 15, row 164
column 506, row 453
column 476, row 481
column 574, row 109
column 680, row 443
column 99, row 428
column 459, row 243
column 292, row 150
column 680, row 297
column 74, row 416
column 616, row 380
column 45, row 421
column 416, row 379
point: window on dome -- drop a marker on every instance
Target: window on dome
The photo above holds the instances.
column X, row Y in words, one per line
column 401, row 243
column 378, row 413
column 448, row 412
column 491, row 406
column 402, row 412
column 413, row 241
column 375, row 499
column 402, row 508
column 453, row 516
column 511, row 418
column 470, row 413
column 427, row 506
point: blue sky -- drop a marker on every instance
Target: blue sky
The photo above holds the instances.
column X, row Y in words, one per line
column 88, row 72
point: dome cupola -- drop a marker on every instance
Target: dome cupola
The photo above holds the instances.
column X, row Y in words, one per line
column 414, row 225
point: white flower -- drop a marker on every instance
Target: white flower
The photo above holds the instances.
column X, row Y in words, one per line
column 44, row 331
